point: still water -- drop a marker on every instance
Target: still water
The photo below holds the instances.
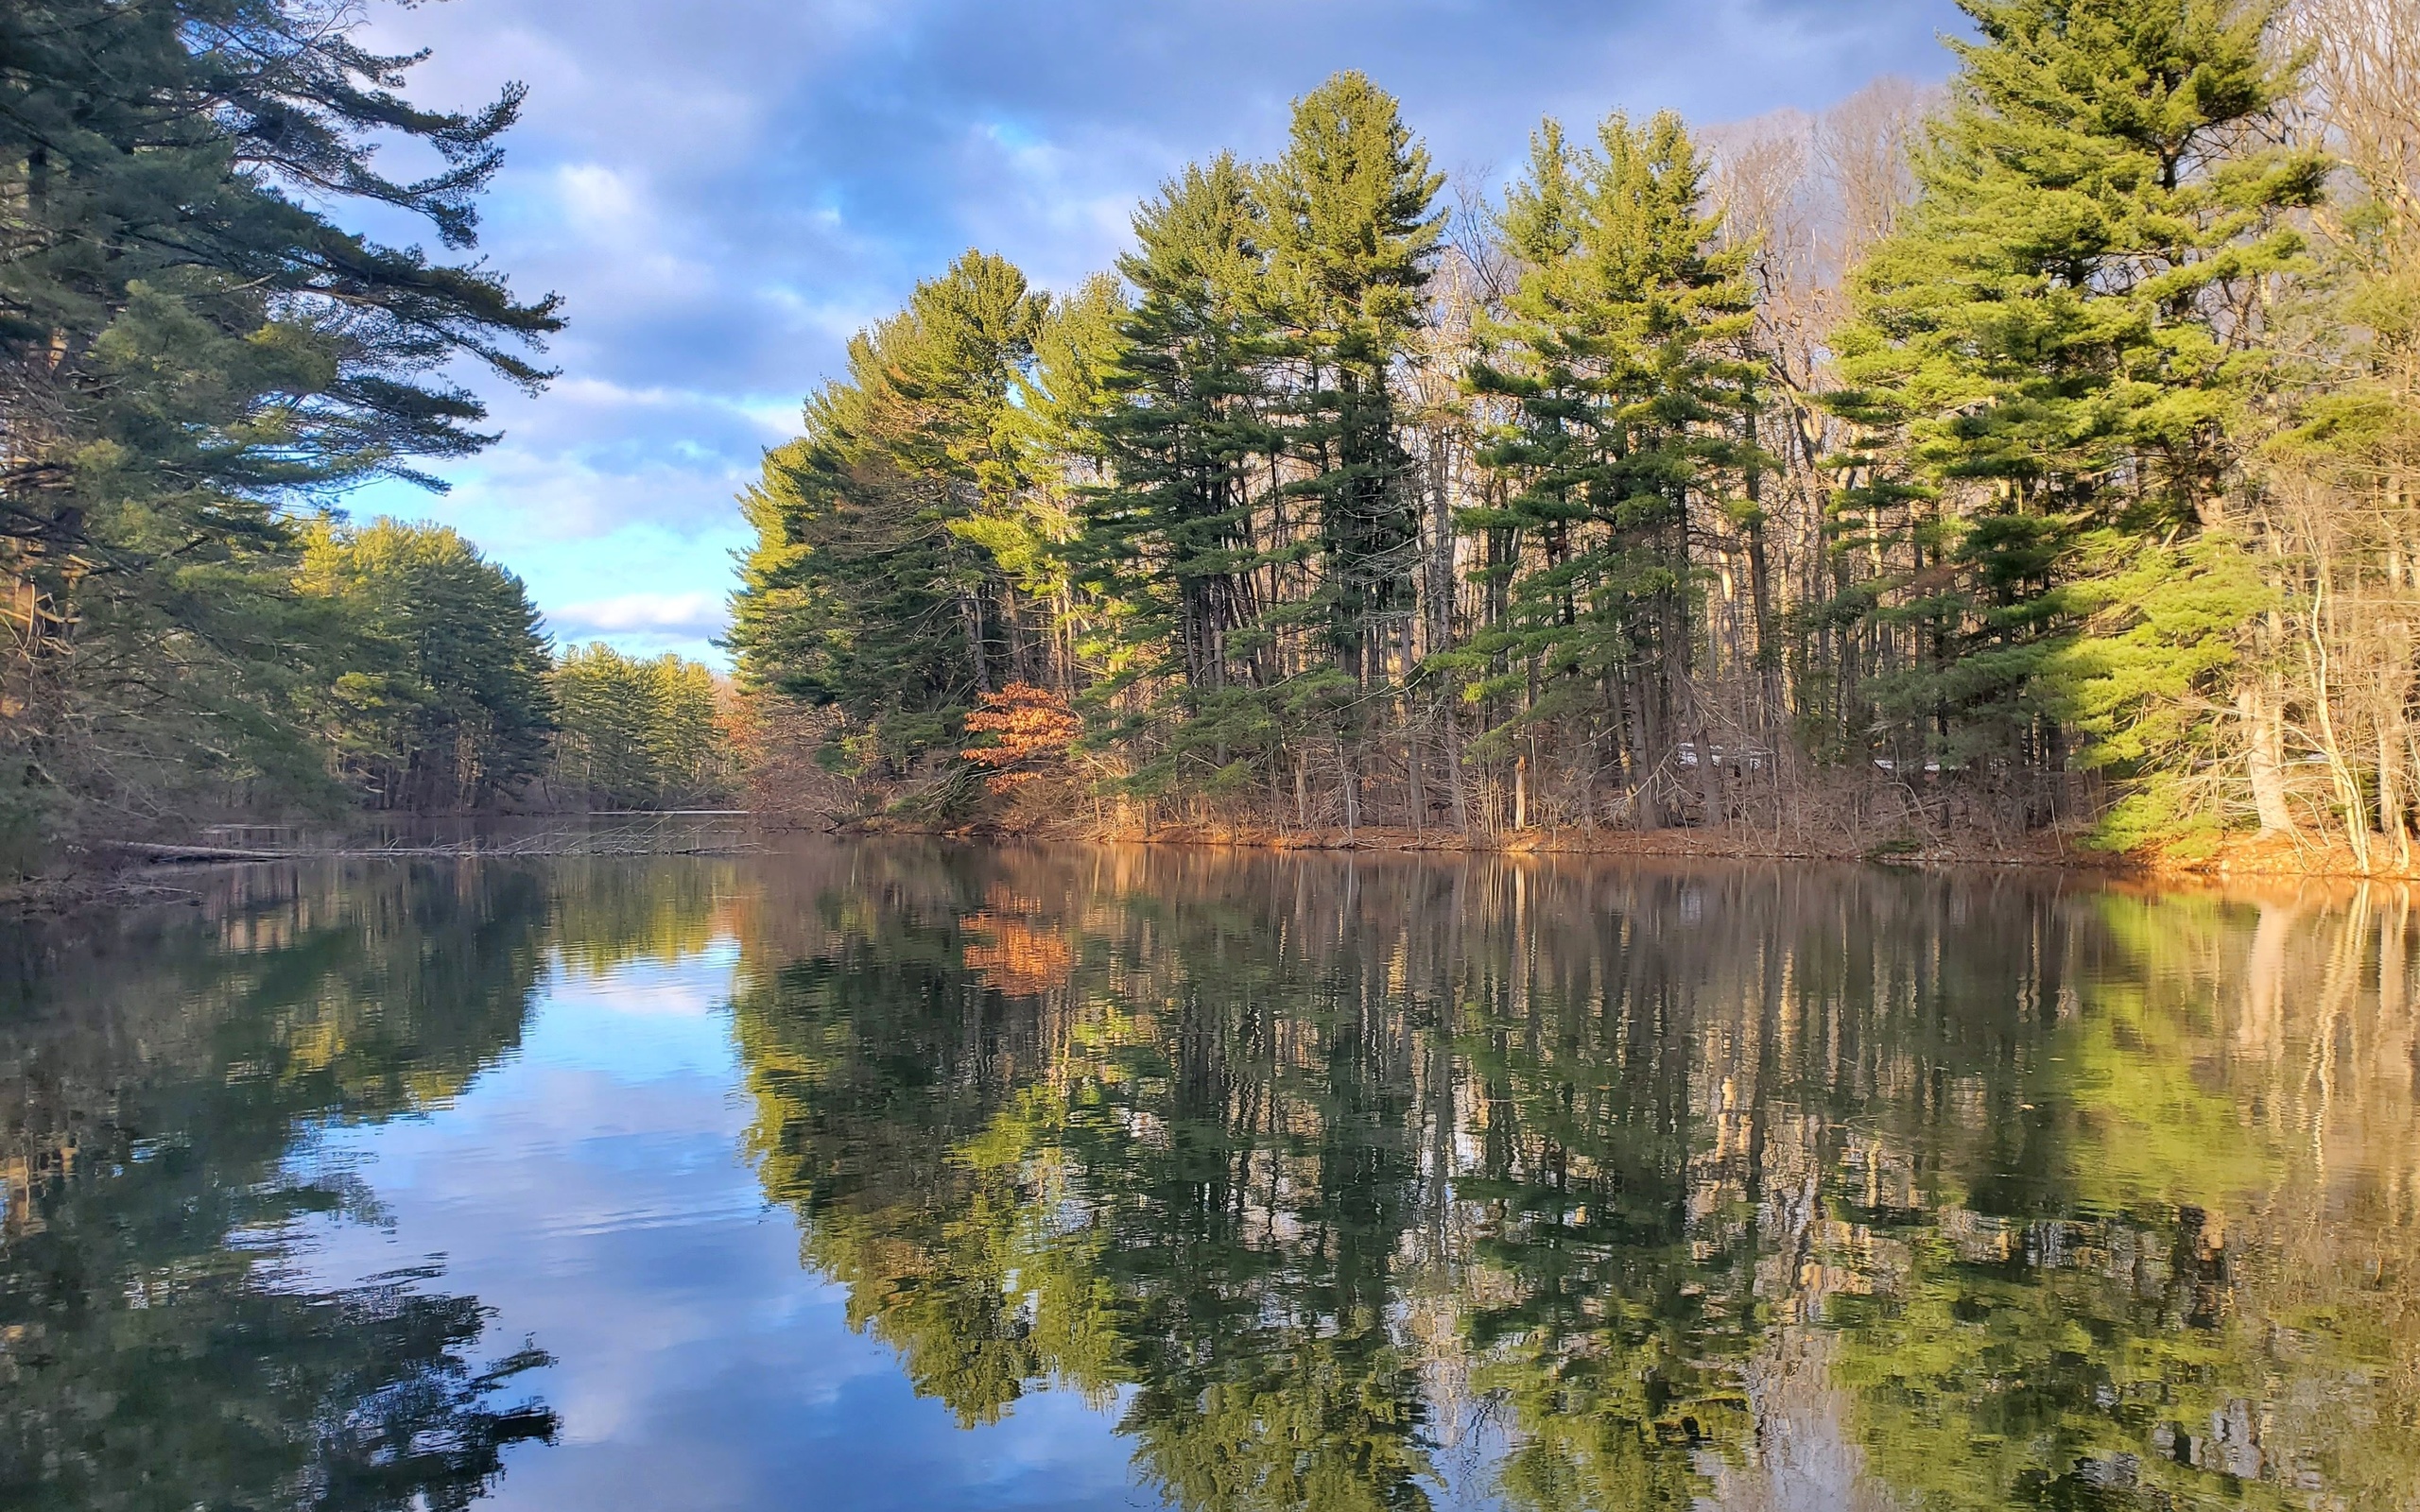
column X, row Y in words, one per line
column 905, row 1176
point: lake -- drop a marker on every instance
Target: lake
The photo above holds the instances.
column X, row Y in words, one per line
column 905, row 1175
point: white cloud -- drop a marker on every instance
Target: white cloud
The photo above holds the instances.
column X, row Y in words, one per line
column 564, row 496
column 647, row 611
column 597, row 197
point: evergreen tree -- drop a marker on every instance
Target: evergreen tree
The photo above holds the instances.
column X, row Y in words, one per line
column 443, row 702
column 1052, row 425
column 2057, row 348
column 1353, row 239
column 190, row 349
column 1621, row 361
column 879, row 580
column 1188, row 440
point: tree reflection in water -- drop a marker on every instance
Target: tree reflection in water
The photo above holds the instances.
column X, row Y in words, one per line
column 1809, row 1188
column 161, row 1346
column 1344, row 1184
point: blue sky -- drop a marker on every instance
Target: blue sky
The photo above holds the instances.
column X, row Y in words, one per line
column 725, row 190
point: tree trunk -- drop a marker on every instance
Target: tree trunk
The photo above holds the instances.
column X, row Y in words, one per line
column 1760, row 599
column 2264, row 745
column 1439, row 596
column 1349, row 771
column 970, row 608
column 2391, row 794
column 1710, row 782
column 1455, row 786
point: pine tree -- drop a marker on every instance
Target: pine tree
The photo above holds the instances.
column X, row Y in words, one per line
column 2053, row 359
column 1059, row 396
column 878, row 583
column 1353, row 239
column 1619, row 355
column 192, row 353
column 1188, row 439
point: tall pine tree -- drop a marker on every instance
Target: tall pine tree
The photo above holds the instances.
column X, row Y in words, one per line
column 883, row 579
column 1353, row 241
column 1189, row 437
column 1619, row 356
column 2052, row 357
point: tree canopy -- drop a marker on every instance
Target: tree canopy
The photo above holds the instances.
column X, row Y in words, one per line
column 193, row 354
column 2025, row 456
column 442, row 698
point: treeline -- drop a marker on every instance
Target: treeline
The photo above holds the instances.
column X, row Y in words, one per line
column 640, row 733
column 196, row 359
column 440, row 691
column 2037, row 452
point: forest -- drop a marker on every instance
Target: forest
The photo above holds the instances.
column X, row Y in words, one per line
column 2031, row 455
column 196, row 365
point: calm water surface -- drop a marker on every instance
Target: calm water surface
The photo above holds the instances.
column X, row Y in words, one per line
column 901, row 1177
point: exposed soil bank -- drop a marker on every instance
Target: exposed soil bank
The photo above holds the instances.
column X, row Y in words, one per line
column 2246, row 856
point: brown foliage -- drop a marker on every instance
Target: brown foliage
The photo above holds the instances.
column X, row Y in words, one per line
column 1030, row 727
column 774, row 741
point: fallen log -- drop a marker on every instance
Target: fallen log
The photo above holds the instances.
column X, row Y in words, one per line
column 160, row 854
column 154, row 850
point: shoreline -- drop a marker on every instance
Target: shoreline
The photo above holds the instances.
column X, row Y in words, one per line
column 1678, row 844
column 2243, row 857
column 2239, row 859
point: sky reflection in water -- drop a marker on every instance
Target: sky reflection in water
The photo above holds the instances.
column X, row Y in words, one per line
column 897, row 1177
column 593, row 1191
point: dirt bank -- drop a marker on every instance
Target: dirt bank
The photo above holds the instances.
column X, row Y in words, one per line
column 2242, row 856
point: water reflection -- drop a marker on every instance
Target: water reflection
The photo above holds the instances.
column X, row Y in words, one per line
column 1224, row 1182
column 162, row 1082
column 1376, row 1184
